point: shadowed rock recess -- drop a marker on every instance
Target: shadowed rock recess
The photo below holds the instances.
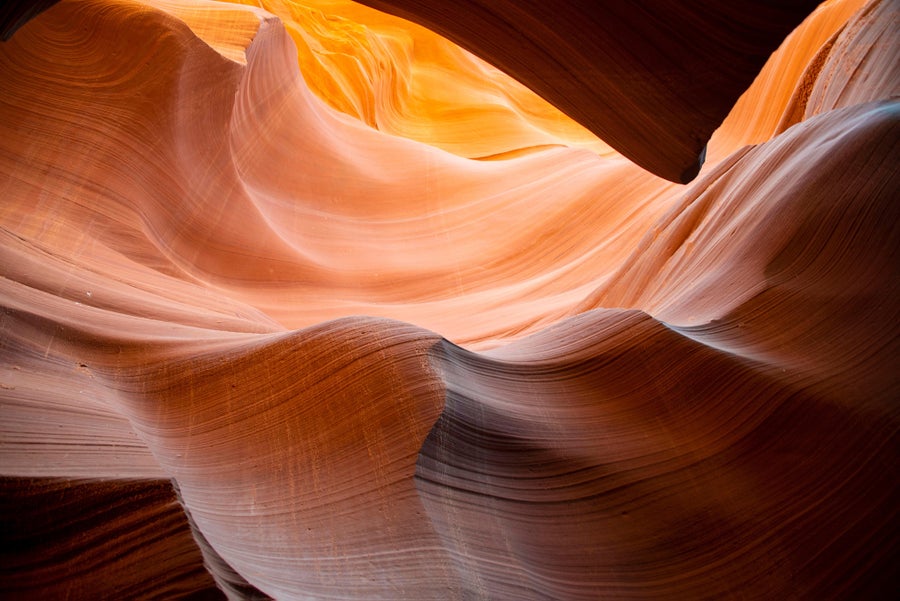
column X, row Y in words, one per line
column 301, row 300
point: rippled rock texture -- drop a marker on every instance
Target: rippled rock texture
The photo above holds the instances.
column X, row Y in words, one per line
column 303, row 301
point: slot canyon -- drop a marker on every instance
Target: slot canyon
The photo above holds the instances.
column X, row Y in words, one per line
column 431, row 300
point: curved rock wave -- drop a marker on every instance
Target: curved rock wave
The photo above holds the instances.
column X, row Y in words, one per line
column 81, row 539
column 376, row 369
column 652, row 80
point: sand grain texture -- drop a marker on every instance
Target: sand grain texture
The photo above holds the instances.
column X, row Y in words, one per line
column 302, row 301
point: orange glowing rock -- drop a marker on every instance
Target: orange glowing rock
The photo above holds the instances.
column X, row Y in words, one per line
column 303, row 301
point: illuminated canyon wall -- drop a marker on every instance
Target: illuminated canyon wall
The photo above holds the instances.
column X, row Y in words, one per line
column 303, row 301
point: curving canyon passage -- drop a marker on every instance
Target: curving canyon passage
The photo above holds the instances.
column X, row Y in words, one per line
column 507, row 299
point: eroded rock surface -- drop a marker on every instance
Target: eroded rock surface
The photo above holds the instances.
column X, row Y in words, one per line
column 302, row 301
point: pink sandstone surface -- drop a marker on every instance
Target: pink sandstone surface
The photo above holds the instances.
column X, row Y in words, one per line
column 300, row 300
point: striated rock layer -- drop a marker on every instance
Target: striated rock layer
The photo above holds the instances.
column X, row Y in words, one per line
column 652, row 79
column 319, row 306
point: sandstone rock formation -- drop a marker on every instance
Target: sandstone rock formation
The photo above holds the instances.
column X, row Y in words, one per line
column 302, row 301
column 653, row 79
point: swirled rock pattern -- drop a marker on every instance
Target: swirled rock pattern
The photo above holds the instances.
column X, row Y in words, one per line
column 301, row 301
column 653, row 79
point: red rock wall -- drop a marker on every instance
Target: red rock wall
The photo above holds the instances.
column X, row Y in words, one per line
column 652, row 79
column 320, row 306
